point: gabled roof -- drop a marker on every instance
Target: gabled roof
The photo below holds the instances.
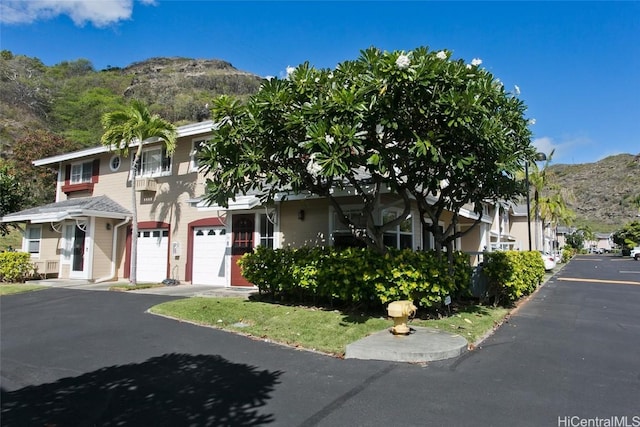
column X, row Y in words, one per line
column 99, row 206
column 186, row 130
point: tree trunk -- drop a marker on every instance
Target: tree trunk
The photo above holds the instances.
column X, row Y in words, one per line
column 133, row 272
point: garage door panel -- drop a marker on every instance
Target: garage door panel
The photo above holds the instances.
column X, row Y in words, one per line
column 209, row 250
column 153, row 249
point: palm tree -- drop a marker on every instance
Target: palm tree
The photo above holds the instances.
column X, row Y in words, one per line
column 135, row 124
column 549, row 200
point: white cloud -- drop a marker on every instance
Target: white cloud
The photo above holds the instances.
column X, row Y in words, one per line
column 545, row 145
column 100, row 13
column 568, row 151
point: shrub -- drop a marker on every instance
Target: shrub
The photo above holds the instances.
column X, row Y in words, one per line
column 568, row 253
column 15, row 266
column 356, row 276
column 512, row 274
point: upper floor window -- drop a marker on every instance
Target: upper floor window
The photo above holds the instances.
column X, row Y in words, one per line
column 154, row 162
column 114, row 163
column 33, row 235
column 81, row 172
column 81, row 176
column 197, row 145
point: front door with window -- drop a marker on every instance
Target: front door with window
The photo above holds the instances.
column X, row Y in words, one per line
column 76, row 237
column 243, row 229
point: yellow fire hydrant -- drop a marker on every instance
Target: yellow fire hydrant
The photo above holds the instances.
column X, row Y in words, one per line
column 400, row 312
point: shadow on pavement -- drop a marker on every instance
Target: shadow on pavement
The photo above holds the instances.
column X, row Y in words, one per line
column 169, row 390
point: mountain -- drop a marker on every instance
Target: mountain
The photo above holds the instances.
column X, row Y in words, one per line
column 69, row 98
column 602, row 194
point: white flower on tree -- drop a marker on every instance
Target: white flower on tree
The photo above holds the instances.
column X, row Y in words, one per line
column 476, row 61
column 403, row 62
column 441, row 55
column 329, row 139
column 313, row 167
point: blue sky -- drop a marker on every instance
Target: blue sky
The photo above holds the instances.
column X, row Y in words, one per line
column 577, row 64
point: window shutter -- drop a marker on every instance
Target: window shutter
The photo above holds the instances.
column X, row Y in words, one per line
column 67, row 174
column 95, row 173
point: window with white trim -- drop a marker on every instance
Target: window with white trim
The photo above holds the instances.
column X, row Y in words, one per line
column 81, row 172
column 154, row 162
column 401, row 236
column 196, row 147
column 342, row 235
column 33, row 235
column 114, row 163
column 266, row 232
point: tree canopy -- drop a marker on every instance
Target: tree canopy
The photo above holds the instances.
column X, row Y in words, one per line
column 628, row 236
column 437, row 132
column 11, row 195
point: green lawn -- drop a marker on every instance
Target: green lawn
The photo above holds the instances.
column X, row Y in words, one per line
column 327, row 331
column 16, row 288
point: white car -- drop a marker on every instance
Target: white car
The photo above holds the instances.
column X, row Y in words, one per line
column 635, row 253
column 549, row 261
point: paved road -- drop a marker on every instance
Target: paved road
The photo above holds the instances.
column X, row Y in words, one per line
column 75, row 358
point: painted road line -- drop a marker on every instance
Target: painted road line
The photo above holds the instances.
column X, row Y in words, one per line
column 617, row 282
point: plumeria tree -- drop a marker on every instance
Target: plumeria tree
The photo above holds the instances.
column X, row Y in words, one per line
column 434, row 131
column 124, row 127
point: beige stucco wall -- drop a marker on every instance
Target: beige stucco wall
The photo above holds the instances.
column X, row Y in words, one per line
column 519, row 230
column 49, row 250
column 102, row 246
column 313, row 230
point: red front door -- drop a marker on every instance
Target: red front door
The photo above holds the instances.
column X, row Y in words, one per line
column 243, row 228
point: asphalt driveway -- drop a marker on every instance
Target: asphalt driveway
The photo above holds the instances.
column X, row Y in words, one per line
column 72, row 357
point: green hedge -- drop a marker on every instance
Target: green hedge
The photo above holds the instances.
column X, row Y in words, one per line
column 512, row 274
column 15, row 267
column 568, row 253
column 356, row 276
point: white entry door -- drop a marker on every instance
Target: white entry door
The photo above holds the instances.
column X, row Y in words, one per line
column 153, row 251
column 209, row 248
column 77, row 246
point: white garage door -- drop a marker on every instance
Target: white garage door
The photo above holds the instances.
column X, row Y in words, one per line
column 153, row 247
column 209, row 248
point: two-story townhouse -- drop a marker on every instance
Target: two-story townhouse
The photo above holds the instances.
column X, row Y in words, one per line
column 86, row 232
column 513, row 229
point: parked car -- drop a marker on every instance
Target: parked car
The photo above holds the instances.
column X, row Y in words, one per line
column 635, row 253
column 549, row 260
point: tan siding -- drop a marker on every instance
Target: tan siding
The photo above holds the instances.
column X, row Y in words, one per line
column 102, row 246
column 312, row 231
column 49, row 256
column 520, row 231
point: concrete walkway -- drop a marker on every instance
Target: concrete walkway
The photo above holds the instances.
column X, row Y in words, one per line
column 186, row 290
column 421, row 345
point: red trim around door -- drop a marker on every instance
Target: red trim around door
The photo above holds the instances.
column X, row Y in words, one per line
column 204, row 222
column 145, row 225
